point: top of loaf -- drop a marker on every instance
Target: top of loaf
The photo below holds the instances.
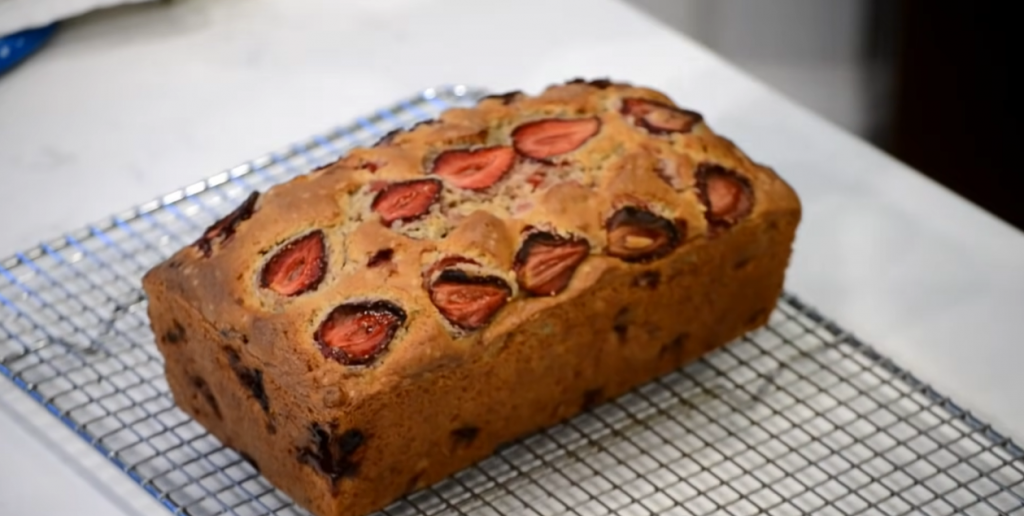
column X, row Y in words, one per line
column 407, row 255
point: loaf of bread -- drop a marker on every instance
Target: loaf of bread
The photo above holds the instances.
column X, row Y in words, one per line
column 371, row 327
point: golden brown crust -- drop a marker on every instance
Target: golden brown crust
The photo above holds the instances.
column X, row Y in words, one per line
column 722, row 282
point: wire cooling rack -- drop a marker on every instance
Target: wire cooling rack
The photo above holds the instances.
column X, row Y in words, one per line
column 796, row 418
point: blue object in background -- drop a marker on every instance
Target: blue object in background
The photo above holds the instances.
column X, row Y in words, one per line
column 16, row 47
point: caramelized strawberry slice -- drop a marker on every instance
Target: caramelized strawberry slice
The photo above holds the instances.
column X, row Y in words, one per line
column 223, row 229
column 553, row 136
column 406, row 201
column 659, row 118
column 298, row 267
column 468, row 302
column 474, row 169
column 637, row 235
column 356, row 333
column 546, row 262
column 727, row 196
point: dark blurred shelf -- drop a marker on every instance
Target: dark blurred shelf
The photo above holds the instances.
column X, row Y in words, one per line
column 953, row 116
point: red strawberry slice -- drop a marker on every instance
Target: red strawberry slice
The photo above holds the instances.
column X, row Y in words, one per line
column 546, row 262
column 298, row 267
column 468, row 302
column 553, row 136
column 406, row 201
column 659, row 118
column 356, row 333
column 474, row 169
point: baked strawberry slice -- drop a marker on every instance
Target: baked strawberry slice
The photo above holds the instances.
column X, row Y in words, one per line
column 407, row 200
column 636, row 235
column 546, row 262
column 727, row 196
column 474, row 169
column 468, row 302
column 298, row 267
column 550, row 137
column 659, row 118
column 356, row 333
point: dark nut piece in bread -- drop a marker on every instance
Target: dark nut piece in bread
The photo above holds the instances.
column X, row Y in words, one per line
column 380, row 258
column 637, row 235
column 474, row 169
column 335, row 455
column 356, row 333
column 223, row 229
column 659, row 118
column 297, row 267
column 546, row 262
column 407, row 200
column 250, row 378
column 551, row 137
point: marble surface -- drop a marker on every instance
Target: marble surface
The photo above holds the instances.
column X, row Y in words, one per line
column 127, row 104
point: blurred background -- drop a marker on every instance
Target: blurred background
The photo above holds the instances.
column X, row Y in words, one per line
column 926, row 81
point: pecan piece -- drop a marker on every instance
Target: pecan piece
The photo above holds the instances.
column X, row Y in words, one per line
column 659, row 118
column 637, row 235
column 356, row 333
column 474, row 169
column 468, row 302
column 224, row 228
column 727, row 196
column 406, row 201
column 298, row 267
column 550, row 137
column 546, row 262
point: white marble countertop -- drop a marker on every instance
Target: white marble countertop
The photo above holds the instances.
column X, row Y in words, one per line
column 128, row 104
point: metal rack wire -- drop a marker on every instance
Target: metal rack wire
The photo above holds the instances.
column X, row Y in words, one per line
column 797, row 418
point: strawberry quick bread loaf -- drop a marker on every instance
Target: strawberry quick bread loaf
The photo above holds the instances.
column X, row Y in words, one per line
column 374, row 326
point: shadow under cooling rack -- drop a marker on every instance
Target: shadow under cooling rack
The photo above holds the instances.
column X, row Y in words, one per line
column 798, row 417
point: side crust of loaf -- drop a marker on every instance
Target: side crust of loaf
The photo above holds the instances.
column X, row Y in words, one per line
column 345, row 439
